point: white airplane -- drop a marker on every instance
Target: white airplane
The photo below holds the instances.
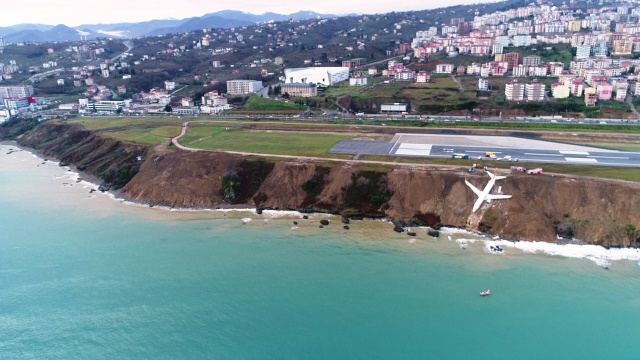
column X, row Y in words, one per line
column 484, row 194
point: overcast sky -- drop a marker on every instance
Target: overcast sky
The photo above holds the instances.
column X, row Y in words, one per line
column 74, row 12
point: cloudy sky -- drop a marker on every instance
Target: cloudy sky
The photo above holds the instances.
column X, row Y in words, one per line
column 73, row 12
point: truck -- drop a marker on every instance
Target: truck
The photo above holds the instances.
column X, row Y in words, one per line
column 490, row 154
column 459, row 156
column 534, row 171
column 518, row 168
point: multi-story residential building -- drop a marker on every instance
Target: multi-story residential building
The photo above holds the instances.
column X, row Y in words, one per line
column 405, row 75
column 444, row 68
column 540, row 70
column 17, row 91
column 497, row 49
column 483, row 84
column 358, row 81
column 514, row 91
column 637, row 89
column 423, row 77
column 622, row 47
column 460, row 70
column 243, row 87
column 212, row 98
column 590, row 97
column 604, row 91
column 531, row 60
column 534, row 91
column 512, row 59
column 521, row 40
column 601, row 49
column 520, row 71
column 498, row 70
column 583, row 51
column 300, row 89
column 574, row 25
column 560, row 90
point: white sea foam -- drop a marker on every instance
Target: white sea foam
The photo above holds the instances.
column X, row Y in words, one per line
column 246, row 220
column 595, row 253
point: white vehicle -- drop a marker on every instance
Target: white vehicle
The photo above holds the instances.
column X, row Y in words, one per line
column 484, row 194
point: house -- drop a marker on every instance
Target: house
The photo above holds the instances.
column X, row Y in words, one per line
column 358, row 81
column 423, row 77
column 169, row 85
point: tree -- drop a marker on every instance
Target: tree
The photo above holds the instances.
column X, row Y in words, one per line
column 168, row 108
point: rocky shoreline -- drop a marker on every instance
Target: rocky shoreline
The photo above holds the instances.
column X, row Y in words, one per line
column 543, row 208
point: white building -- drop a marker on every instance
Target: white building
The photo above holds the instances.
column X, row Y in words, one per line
column 358, row 81
column 483, row 84
column 326, row 76
column 534, row 91
column 243, row 87
column 514, row 91
column 444, row 68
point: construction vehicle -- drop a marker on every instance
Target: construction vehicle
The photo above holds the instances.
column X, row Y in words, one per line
column 459, row 156
column 534, row 171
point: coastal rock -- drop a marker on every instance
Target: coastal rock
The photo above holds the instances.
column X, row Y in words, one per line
column 324, row 222
column 346, row 227
column 411, row 233
column 433, row 233
column 345, row 220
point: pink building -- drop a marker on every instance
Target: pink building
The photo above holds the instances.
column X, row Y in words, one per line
column 604, row 91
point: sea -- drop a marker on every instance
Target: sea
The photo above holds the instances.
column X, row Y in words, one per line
column 84, row 275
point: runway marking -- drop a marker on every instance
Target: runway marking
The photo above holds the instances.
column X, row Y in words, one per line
column 535, row 154
column 396, row 143
column 414, row 149
column 567, row 152
column 584, row 160
column 608, row 157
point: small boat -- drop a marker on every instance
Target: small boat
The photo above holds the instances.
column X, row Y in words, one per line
column 485, row 293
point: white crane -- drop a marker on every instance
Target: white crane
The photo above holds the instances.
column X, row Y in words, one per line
column 484, row 194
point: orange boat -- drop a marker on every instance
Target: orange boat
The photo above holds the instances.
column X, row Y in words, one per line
column 485, row 293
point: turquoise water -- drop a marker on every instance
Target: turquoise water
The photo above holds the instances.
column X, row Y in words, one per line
column 83, row 280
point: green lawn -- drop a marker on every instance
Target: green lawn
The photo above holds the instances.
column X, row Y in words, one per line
column 279, row 143
column 104, row 123
column 146, row 136
column 256, row 103
column 147, row 131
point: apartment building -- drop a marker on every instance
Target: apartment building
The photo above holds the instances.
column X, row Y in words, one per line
column 534, row 91
column 243, row 87
column 560, row 90
column 512, row 59
column 590, row 97
column 514, row 91
column 18, row 91
column 531, row 60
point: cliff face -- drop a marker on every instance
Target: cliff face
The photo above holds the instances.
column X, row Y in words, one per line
column 543, row 206
column 109, row 159
column 598, row 211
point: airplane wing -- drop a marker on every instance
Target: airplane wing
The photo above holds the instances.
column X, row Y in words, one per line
column 497, row 197
column 475, row 190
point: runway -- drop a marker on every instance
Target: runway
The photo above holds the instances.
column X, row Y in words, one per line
column 443, row 146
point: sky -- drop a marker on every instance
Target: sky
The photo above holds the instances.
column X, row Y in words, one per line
column 74, row 12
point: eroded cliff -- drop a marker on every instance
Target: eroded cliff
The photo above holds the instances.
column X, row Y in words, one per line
column 542, row 208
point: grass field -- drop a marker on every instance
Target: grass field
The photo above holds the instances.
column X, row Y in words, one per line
column 256, row 103
column 147, row 131
column 279, row 143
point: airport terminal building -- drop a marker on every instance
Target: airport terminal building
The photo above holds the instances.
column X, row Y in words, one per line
column 326, row 76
